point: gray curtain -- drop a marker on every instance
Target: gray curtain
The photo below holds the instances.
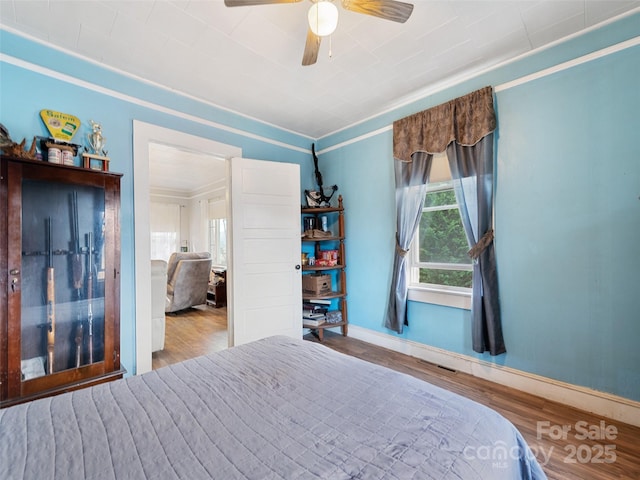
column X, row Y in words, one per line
column 472, row 174
column 411, row 188
column 464, row 128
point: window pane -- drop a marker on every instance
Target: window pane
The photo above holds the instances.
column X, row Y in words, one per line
column 451, row 278
column 442, row 238
column 222, row 241
column 218, row 240
column 443, row 197
column 163, row 244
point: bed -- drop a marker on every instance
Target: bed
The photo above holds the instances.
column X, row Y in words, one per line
column 277, row 408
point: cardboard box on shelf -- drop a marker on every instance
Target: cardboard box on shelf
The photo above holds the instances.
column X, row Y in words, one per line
column 316, row 284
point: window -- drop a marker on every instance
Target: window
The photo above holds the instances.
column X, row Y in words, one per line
column 439, row 258
column 165, row 229
column 163, row 244
column 217, row 224
column 218, row 241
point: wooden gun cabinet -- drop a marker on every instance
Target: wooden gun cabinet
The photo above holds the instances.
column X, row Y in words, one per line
column 60, row 282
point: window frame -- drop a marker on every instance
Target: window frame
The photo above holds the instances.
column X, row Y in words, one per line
column 451, row 296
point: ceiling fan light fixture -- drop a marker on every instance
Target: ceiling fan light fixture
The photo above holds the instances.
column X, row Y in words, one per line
column 323, row 18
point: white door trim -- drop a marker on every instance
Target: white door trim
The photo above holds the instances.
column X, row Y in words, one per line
column 143, row 134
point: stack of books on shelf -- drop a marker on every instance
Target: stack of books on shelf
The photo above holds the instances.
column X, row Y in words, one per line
column 314, row 312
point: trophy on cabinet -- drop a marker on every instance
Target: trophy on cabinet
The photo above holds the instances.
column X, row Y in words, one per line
column 96, row 158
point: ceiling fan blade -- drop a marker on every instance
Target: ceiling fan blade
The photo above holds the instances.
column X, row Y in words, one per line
column 387, row 9
column 246, row 3
column 311, row 49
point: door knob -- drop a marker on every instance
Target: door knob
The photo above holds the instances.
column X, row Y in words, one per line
column 297, row 267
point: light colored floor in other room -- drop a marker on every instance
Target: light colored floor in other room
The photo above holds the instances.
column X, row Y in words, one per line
column 192, row 332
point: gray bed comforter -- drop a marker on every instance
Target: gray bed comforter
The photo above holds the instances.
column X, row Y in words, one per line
column 278, row 408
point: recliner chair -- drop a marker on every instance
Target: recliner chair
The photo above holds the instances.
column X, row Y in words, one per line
column 187, row 280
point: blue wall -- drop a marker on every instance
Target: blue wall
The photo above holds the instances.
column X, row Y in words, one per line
column 567, row 197
column 568, row 205
column 567, row 217
column 25, row 89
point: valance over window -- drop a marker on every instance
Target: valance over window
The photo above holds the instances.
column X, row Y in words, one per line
column 464, row 120
column 464, row 129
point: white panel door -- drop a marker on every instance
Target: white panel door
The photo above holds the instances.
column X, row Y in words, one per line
column 266, row 294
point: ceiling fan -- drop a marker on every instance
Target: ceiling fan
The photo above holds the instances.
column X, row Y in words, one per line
column 323, row 17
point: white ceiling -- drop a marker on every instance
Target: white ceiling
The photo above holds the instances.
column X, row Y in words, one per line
column 248, row 59
column 180, row 173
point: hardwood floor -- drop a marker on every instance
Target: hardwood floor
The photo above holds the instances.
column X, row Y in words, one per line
column 192, row 332
column 611, row 449
column 563, row 457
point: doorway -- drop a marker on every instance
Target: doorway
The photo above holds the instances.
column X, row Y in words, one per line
column 144, row 136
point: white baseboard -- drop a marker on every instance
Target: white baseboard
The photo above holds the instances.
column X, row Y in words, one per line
column 592, row 401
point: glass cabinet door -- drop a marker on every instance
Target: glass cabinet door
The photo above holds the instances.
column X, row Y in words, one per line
column 62, row 300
